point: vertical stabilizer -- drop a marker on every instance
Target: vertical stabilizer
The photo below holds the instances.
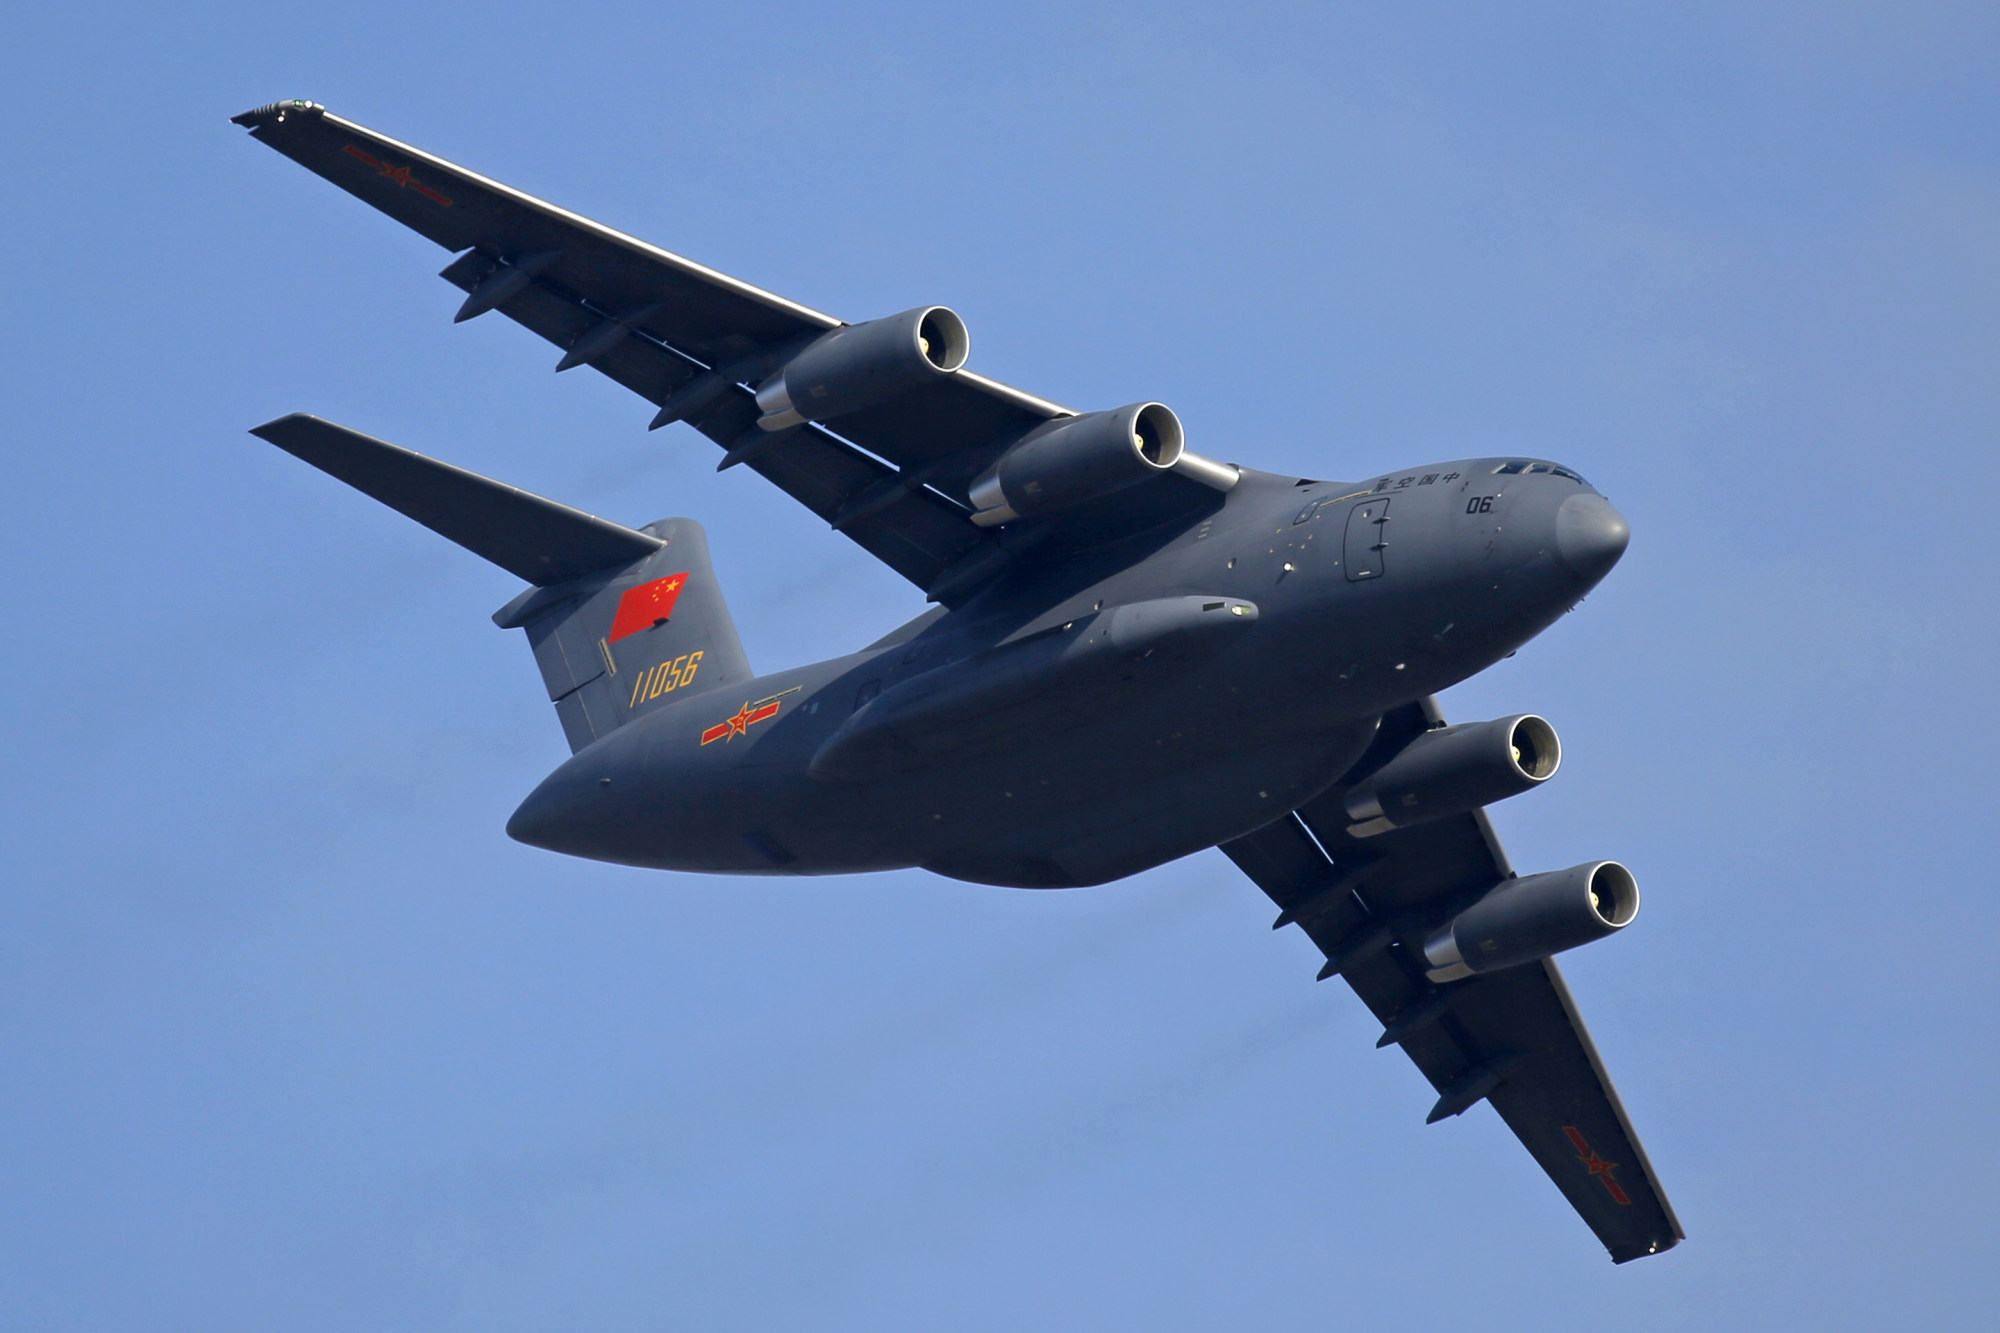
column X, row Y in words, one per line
column 615, row 645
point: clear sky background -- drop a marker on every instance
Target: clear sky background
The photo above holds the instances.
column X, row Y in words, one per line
column 295, row 1038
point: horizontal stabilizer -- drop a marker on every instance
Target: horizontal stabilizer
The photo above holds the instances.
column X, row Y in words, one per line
column 536, row 539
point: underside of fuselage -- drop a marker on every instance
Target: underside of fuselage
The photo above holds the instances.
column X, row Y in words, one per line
column 1105, row 798
column 1000, row 750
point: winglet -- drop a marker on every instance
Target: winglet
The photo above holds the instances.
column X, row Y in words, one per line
column 276, row 112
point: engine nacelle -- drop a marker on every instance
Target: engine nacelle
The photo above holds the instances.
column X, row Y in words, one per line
column 1075, row 459
column 861, row 365
column 1534, row 917
column 1455, row 769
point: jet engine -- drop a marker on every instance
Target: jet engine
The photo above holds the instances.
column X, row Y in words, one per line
column 1455, row 769
column 861, row 365
column 1079, row 458
column 1533, row 917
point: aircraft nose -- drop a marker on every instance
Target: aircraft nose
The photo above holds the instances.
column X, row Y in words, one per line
column 1590, row 536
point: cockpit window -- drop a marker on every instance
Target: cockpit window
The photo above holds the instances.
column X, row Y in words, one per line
column 1521, row 465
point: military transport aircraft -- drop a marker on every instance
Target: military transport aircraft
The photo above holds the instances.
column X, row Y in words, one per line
column 1135, row 652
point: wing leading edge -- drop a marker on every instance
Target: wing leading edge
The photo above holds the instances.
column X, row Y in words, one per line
column 1513, row 1038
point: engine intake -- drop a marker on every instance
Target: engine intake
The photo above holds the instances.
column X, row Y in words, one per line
column 1534, row 917
column 1455, row 769
column 1079, row 458
column 861, row 365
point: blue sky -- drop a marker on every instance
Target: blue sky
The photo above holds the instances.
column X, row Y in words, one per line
column 296, row 1038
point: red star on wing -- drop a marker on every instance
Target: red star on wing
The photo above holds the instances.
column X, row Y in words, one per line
column 1596, row 1164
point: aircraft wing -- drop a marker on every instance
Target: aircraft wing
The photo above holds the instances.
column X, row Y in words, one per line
column 690, row 340
column 1513, row 1038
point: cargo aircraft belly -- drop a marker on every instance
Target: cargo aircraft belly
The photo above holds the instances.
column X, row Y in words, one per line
column 1136, row 652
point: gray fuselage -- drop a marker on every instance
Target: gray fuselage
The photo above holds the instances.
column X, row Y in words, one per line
column 1032, row 738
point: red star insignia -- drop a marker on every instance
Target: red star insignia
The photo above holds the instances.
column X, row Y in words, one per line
column 1595, row 1164
column 401, row 175
column 747, row 716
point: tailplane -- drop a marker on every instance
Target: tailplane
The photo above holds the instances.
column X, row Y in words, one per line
column 621, row 619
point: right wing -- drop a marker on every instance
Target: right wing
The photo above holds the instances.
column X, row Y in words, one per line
column 1513, row 1037
column 692, row 340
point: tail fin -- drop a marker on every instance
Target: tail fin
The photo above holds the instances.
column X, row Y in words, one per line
column 614, row 644
column 620, row 619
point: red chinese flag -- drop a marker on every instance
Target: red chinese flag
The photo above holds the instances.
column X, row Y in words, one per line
column 647, row 605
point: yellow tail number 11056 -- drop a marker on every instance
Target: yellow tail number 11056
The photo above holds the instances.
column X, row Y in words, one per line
column 664, row 678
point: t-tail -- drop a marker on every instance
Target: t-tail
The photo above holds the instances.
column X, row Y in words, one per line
column 620, row 619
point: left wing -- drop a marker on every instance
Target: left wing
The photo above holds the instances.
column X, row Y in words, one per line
column 693, row 341
column 1513, row 1038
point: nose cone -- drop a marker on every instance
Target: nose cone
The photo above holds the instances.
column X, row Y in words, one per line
column 1590, row 536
